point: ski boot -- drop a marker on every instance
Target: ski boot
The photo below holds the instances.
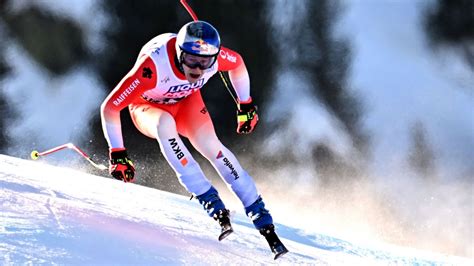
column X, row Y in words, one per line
column 222, row 217
column 274, row 242
column 215, row 208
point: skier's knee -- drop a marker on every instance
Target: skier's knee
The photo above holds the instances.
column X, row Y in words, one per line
column 193, row 179
column 165, row 126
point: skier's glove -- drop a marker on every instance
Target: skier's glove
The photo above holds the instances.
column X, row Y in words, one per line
column 121, row 167
column 247, row 117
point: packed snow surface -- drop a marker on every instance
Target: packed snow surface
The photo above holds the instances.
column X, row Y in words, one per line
column 55, row 215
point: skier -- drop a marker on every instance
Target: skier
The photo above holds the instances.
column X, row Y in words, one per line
column 162, row 92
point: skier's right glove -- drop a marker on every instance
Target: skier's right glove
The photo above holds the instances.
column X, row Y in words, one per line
column 247, row 117
column 121, row 167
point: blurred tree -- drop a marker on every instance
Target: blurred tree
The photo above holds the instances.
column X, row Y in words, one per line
column 54, row 42
column 421, row 158
column 3, row 66
column 329, row 73
column 330, row 70
column 307, row 46
column 3, row 105
column 452, row 22
column 4, row 110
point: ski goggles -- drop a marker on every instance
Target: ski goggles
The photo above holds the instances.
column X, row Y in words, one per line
column 194, row 61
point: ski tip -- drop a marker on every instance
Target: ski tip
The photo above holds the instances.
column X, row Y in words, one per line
column 34, row 155
column 225, row 234
column 280, row 253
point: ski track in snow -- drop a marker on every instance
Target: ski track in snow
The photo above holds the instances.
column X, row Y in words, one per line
column 53, row 215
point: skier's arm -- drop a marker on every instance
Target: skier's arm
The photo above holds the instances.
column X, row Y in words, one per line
column 141, row 78
column 247, row 117
column 232, row 62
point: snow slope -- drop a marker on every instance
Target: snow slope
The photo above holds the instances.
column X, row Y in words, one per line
column 53, row 215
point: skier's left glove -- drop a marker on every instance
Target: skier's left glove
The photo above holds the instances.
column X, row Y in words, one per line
column 247, row 117
column 121, row 167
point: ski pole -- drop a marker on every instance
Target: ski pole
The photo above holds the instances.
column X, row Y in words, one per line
column 226, row 82
column 36, row 154
column 227, row 85
column 189, row 9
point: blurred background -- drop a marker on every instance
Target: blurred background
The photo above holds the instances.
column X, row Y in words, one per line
column 367, row 119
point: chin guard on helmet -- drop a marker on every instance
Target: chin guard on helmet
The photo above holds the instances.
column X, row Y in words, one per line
column 197, row 38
